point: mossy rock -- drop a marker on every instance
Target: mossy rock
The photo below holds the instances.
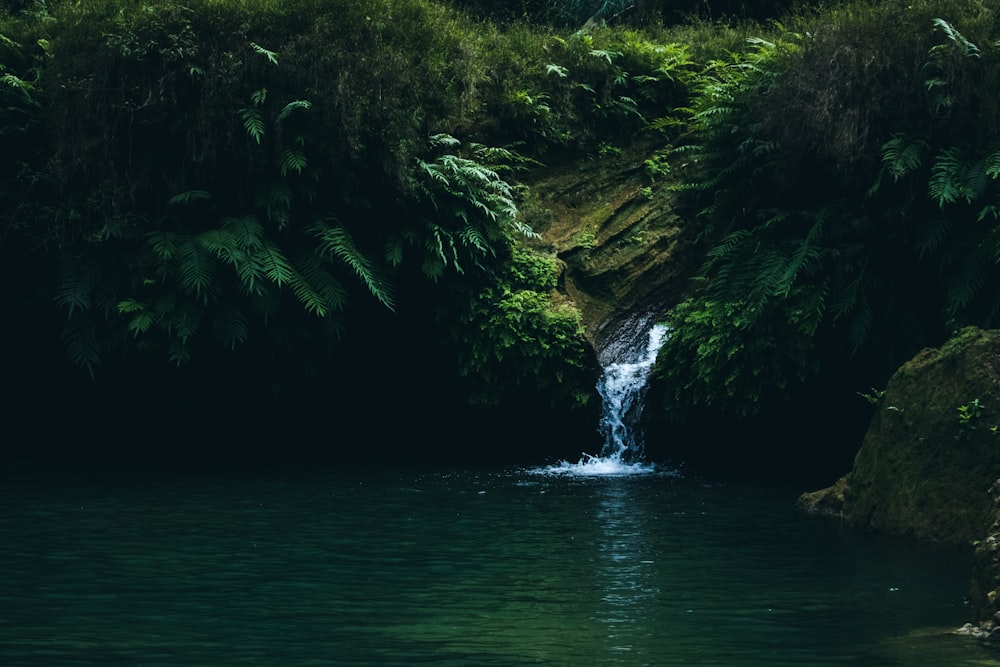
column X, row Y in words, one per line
column 623, row 247
column 932, row 450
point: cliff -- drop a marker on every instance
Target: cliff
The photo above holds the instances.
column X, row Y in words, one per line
column 626, row 255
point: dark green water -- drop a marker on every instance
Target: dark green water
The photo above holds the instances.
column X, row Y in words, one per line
column 462, row 567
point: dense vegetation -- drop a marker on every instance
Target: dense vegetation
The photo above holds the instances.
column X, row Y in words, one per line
column 846, row 169
column 266, row 182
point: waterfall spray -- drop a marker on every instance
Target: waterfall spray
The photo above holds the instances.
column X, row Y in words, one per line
column 622, row 388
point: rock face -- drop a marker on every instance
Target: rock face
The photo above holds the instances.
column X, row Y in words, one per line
column 627, row 255
column 932, row 450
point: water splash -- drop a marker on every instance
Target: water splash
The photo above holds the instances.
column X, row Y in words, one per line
column 622, row 388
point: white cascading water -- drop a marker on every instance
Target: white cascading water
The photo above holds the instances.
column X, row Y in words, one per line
column 622, row 388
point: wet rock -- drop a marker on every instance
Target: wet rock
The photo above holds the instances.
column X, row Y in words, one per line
column 985, row 593
column 829, row 501
column 626, row 254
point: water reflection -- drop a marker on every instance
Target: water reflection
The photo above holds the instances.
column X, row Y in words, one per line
column 625, row 572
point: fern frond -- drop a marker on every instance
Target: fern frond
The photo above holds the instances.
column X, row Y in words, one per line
column 931, row 235
column 393, row 250
column 253, row 123
column 164, row 244
column 846, row 298
column 230, row 326
column 178, row 352
column 189, row 196
column 309, row 271
column 558, row 70
column 266, row 302
column 902, row 154
column 270, row 55
column 969, row 49
column 472, row 238
column 127, row 306
column 274, row 264
column 276, row 200
column 336, row 242
column 607, row 56
column 184, row 322
column 992, row 165
column 804, row 254
column 944, row 184
column 444, row 139
column 80, row 337
column 433, row 267
column 75, row 285
column 245, row 232
column 989, row 210
column 292, row 159
column 968, row 280
column 196, row 267
column 329, row 289
column 287, row 110
column 140, row 323
column 861, row 324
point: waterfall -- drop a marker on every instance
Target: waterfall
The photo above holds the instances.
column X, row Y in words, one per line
column 622, row 389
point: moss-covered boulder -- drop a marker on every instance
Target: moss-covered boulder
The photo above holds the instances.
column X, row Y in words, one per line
column 932, row 450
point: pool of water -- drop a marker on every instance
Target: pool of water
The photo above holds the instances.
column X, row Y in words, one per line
column 376, row 566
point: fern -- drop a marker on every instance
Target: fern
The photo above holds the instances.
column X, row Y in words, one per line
column 311, row 268
column 933, row 234
column 902, row 155
column 253, row 123
column 337, row 243
column 443, row 140
column 189, row 196
column 276, row 199
column 274, row 265
column 267, row 301
column 292, row 159
column 230, row 326
column 186, row 322
column 992, row 165
column 558, row 70
column 141, row 323
column 73, row 290
column 943, row 185
column 287, row 110
column 80, row 337
column 969, row 50
column 164, row 244
column 607, row 56
column 196, row 268
column 302, row 287
column 178, row 352
column 270, row 55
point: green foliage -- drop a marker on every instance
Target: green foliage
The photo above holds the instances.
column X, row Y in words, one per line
column 239, row 172
column 584, row 89
column 873, row 397
column 806, row 173
column 464, row 209
column 515, row 333
column 737, row 360
column 233, row 162
column 968, row 414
